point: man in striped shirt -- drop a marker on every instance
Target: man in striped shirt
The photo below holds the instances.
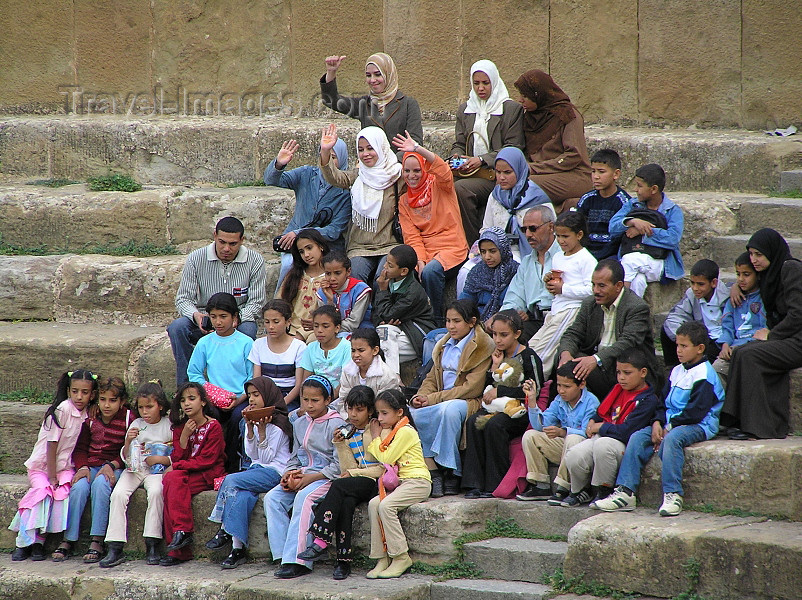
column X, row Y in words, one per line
column 225, row 265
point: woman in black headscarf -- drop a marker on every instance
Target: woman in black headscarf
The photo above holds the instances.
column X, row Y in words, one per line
column 758, row 387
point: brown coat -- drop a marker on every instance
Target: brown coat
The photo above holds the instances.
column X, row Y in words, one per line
column 502, row 130
column 472, row 372
column 562, row 167
column 357, row 241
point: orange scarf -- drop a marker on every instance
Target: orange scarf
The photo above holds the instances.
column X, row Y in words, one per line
column 420, row 196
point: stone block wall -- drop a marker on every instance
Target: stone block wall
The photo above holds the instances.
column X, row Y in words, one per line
column 719, row 63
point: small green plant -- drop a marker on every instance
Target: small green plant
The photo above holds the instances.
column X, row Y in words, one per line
column 453, row 569
column 578, row 586
column 53, row 183
column 733, row 512
column 252, row 183
column 786, row 194
column 28, row 394
column 113, row 183
column 131, row 249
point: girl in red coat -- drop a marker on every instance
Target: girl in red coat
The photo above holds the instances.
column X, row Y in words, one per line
column 198, row 457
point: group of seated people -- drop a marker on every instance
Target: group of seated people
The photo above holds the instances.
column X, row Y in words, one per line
column 547, row 354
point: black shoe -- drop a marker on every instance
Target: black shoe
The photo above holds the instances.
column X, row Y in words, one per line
column 313, row 552
column 171, row 561
column 235, row 559
column 581, row 497
column 473, row 494
column 559, row 496
column 342, row 570
column 114, row 556
column 450, row 483
column 486, row 495
column 21, row 554
column 291, row 571
column 437, row 484
column 152, row 551
column 220, row 540
column 180, row 540
column 737, row 434
column 37, row 552
column 532, row 492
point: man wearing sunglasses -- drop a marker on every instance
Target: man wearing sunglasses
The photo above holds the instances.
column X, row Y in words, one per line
column 527, row 292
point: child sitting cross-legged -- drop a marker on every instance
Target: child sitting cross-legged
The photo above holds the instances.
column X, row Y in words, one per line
column 739, row 323
column 554, row 431
column 593, row 463
column 689, row 414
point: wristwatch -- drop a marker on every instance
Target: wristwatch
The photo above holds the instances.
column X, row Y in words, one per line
column 598, row 360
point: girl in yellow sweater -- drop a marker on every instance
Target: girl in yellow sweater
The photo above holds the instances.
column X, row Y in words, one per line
column 397, row 445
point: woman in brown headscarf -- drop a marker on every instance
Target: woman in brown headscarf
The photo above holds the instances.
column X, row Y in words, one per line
column 555, row 140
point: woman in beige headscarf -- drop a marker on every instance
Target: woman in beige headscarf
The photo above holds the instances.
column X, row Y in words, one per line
column 385, row 106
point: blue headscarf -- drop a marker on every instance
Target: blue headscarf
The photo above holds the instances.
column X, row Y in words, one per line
column 341, row 152
column 524, row 194
column 322, row 381
column 494, row 280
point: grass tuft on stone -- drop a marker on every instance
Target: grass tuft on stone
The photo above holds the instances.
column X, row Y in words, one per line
column 251, row 183
column 53, row 183
column 785, row 194
column 28, row 394
column 577, row 585
column 113, row 183
column 131, row 248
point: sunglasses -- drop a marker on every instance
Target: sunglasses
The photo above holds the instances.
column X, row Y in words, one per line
column 533, row 228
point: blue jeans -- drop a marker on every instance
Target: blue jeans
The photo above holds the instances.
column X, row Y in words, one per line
column 237, row 497
column 180, row 332
column 286, row 265
column 440, row 429
column 433, row 280
column 672, row 452
column 367, row 268
column 99, row 489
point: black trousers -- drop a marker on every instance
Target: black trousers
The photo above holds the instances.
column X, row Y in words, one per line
column 487, row 454
column 334, row 514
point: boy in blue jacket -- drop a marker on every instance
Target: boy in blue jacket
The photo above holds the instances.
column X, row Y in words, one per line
column 690, row 414
column 739, row 323
column 554, row 431
column 659, row 254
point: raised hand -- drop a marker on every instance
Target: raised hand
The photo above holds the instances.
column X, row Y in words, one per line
column 328, row 138
column 333, row 63
column 288, row 150
column 405, row 143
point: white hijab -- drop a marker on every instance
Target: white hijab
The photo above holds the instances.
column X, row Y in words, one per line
column 494, row 105
column 367, row 193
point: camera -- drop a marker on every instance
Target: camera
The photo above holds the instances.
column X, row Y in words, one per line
column 456, row 162
column 347, row 431
column 276, row 244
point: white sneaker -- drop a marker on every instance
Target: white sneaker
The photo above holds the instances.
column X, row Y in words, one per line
column 672, row 505
column 618, row 500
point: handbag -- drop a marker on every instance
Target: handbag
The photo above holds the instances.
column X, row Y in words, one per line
column 398, row 233
column 218, row 396
column 390, row 479
column 482, row 171
column 321, row 218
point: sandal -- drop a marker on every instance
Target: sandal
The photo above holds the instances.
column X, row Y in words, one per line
column 94, row 553
column 63, row 552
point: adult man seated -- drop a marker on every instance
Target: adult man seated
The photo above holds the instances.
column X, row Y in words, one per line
column 225, row 265
column 527, row 292
column 609, row 322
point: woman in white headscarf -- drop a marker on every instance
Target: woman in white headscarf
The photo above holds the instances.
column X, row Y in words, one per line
column 486, row 123
column 374, row 187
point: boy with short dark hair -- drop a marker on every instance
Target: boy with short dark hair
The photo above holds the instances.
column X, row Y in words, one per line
column 689, row 414
column 704, row 301
column 554, row 431
column 602, row 203
column 652, row 227
column 401, row 310
column 738, row 324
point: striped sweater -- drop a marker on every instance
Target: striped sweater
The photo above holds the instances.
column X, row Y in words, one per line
column 205, row 275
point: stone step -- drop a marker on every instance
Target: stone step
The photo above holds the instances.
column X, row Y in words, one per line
column 542, row 519
column 37, row 354
column 720, row 558
column 488, row 589
column 95, row 288
column 191, row 150
column 515, row 559
column 195, row 580
column 725, row 249
column 72, row 218
column 430, row 527
column 782, row 214
column 791, row 180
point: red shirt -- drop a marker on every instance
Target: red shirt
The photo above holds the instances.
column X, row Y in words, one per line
column 99, row 443
column 205, row 451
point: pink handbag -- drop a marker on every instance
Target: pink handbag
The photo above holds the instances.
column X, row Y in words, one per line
column 218, row 396
column 390, row 479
